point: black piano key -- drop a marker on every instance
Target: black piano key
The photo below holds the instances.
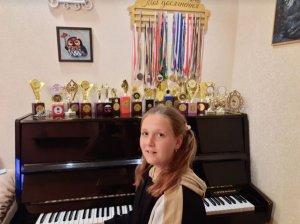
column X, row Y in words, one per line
column 116, row 211
column 237, row 198
column 227, row 200
column 221, row 202
column 205, row 202
column 84, row 214
column 102, row 213
column 107, row 212
column 231, row 199
column 214, row 204
column 71, row 215
column 121, row 213
column 76, row 215
column 216, row 201
column 244, row 200
column 220, row 199
column 90, row 213
column 51, row 217
column 43, row 218
column 65, row 216
column 128, row 208
column 57, row 217
column 97, row 212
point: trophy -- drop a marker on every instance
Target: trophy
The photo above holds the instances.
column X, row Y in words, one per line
column 235, row 102
column 136, row 105
column 107, row 104
column 220, row 101
column 37, row 86
column 192, row 88
column 183, row 105
column 125, row 100
column 168, row 98
column 176, row 92
column 115, row 101
column 85, row 107
column 99, row 107
column 57, row 105
column 202, row 105
column 149, row 94
column 72, row 89
column 160, row 95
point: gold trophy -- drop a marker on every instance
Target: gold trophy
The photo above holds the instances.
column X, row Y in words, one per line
column 115, row 101
column 136, row 105
column 192, row 88
column 99, row 107
column 210, row 97
column 149, row 94
column 85, row 107
column 108, row 110
column 72, row 89
column 125, row 100
column 37, row 86
column 220, row 100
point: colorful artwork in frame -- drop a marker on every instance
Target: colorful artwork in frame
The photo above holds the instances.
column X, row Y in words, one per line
column 74, row 44
column 286, row 22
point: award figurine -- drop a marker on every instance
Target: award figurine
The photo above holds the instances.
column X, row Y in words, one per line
column 125, row 100
column 176, row 92
column 72, row 89
column 210, row 98
column 108, row 110
column 202, row 106
column 99, row 107
column 160, row 95
column 149, row 102
column 220, row 101
column 85, row 106
column 37, row 86
column 192, row 88
column 136, row 105
column 115, row 101
column 235, row 102
column 57, row 105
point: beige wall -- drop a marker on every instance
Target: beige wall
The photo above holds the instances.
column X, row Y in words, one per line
column 268, row 78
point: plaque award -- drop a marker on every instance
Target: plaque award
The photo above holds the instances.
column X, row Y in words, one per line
column 202, row 106
column 136, row 105
column 37, row 86
column 149, row 102
column 192, row 88
column 99, row 107
column 220, row 101
column 125, row 100
column 168, row 98
column 183, row 105
column 72, row 89
column 108, row 110
column 57, row 105
column 235, row 102
column 115, row 101
column 85, row 106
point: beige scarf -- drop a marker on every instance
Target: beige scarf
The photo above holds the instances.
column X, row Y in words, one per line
column 173, row 200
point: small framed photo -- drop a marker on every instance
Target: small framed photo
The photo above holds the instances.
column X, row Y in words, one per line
column 74, row 44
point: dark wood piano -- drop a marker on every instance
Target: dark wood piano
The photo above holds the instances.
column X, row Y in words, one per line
column 72, row 170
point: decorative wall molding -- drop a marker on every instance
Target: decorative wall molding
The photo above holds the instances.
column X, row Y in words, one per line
column 72, row 4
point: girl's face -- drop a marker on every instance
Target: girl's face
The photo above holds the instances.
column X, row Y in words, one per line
column 157, row 141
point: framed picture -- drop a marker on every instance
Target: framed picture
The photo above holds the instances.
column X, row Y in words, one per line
column 286, row 22
column 74, row 44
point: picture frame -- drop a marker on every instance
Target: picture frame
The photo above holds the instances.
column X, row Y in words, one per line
column 286, row 28
column 235, row 102
column 74, row 44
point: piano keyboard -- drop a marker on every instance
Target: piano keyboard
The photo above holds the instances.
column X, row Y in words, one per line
column 86, row 216
column 227, row 204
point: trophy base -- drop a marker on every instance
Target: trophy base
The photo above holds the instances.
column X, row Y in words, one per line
column 169, row 101
column 175, row 101
column 159, row 103
column 115, row 105
column 99, row 108
column 125, row 104
column 210, row 112
column 108, row 109
column 220, row 112
column 149, row 103
column 37, row 107
column 125, row 115
column 86, row 116
column 58, row 110
column 192, row 108
column 136, row 108
column 201, row 108
column 183, row 108
column 74, row 107
column 86, row 109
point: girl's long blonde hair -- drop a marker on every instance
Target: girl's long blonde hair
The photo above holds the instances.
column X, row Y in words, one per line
column 170, row 176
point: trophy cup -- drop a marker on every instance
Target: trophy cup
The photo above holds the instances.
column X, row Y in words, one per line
column 183, row 105
column 210, row 98
column 192, row 88
column 108, row 110
column 220, row 101
column 57, row 105
column 37, row 86
column 160, row 95
column 115, row 101
column 125, row 100
column 202, row 105
column 72, row 89
column 149, row 102
column 99, row 107
column 85, row 107
column 176, row 92
column 136, row 105
column 168, row 98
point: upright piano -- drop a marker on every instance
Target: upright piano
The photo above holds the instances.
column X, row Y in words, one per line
column 73, row 170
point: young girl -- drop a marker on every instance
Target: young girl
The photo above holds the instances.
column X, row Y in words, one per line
column 167, row 190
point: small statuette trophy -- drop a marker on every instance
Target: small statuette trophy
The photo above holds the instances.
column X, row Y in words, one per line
column 176, row 92
column 168, row 98
column 108, row 110
column 57, row 105
column 210, row 97
column 115, row 101
column 192, row 88
column 136, row 105
column 149, row 102
column 202, row 105
column 37, row 86
column 183, row 105
column 235, row 102
column 99, row 107
column 72, row 89
column 125, row 100
column 220, row 100
column 160, row 95
column 85, row 106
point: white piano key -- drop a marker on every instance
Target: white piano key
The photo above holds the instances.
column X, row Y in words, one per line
column 100, row 219
column 64, row 219
column 208, row 209
column 40, row 218
column 213, row 209
column 111, row 212
column 76, row 221
column 46, row 220
column 86, row 220
column 226, row 206
column 249, row 206
column 71, row 217
column 233, row 208
column 118, row 210
column 240, row 209
column 81, row 220
column 124, row 209
column 222, row 208
column 93, row 218
column 104, row 218
column 53, row 215
column 130, row 207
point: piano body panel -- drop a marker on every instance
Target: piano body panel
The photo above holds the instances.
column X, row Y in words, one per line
column 74, row 164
